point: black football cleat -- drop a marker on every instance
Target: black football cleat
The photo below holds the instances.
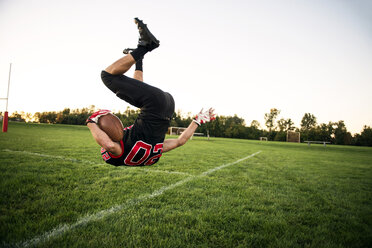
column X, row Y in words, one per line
column 147, row 39
column 128, row 50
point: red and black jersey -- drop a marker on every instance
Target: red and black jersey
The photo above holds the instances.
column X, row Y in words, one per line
column 140, row 145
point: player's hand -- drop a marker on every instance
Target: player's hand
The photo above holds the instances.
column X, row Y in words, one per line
column 96, row 115
column 205, row 116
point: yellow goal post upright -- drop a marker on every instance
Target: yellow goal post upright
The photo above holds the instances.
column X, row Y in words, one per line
column 5, row 118
column 293, row 136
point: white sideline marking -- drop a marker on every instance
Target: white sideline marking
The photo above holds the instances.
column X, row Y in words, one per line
column 90, row 162
column 51, row 156
column 61, row 229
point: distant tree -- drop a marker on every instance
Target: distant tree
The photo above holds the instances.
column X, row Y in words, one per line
column 290, row 125
column 324, row 132
column 63, row 117
column 365, row 138
column 46, row 117
column 235, row 121
column 281, row 125
column 253, row 133
column 255, row 124
column 177, row 117
column 270, row 118
column 233, row 126
column 223, row 126
column 308, row 122
column 181, row 120
column 213, row 128
column 342, row 136
column 16, row 117
column 28, row 117
column 280, row 136
column 285, row 125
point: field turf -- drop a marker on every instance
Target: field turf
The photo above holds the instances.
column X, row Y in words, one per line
column 55, row 191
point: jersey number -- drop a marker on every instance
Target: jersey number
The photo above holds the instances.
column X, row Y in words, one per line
column 158, row 148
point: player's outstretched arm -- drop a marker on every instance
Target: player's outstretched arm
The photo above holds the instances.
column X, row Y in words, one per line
column 99, row 135
column 202, row 117
column 104, row 140
column 170, row 144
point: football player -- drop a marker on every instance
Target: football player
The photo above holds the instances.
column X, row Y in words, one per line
column 142, row 143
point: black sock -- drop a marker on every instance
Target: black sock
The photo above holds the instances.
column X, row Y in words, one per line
column 139, row 65
column 139, row 52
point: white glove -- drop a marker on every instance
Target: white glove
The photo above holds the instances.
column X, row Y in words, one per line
column 95, row 116
column 204, row 116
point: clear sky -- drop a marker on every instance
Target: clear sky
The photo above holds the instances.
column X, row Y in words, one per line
column 240, row 57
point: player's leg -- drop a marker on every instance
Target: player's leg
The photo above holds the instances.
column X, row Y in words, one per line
column 141, row 95
column 121, row 66
column 138, row 72
column 146, row 43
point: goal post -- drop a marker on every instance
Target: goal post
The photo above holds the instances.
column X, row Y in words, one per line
column 5, row 118
column 293, row 136
column 180, row 130
column 176, row 130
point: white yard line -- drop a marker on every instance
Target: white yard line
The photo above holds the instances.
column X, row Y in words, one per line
column 51, row 156
column 90, row 162
column 168, row 172
column 104, row 213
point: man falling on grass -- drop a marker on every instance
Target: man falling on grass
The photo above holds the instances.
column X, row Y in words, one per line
column 143, row 143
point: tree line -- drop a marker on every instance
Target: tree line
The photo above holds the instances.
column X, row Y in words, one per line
column 223, row 126
column 310, row 129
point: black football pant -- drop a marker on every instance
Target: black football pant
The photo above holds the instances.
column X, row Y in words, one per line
column 153, row 102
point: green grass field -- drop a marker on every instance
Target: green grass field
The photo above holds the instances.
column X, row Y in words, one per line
column 57, row 192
